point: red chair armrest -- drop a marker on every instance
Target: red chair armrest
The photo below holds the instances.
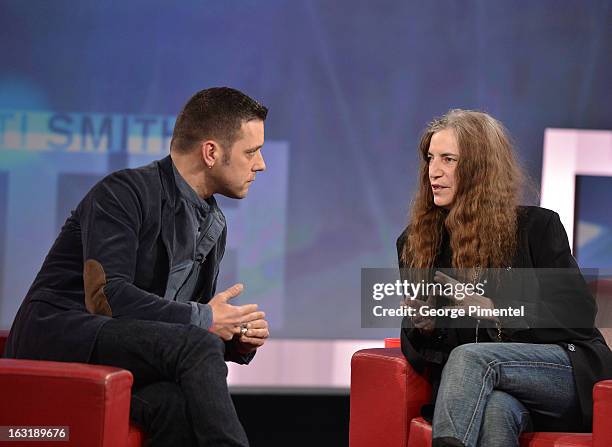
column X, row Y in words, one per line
column 386, row 393
column 602, row 414
column 92, row 400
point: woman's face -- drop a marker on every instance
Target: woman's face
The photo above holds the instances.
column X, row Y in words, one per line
column 443, row 156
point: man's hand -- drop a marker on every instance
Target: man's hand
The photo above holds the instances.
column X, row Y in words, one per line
column 255, row 336
column 227, row 319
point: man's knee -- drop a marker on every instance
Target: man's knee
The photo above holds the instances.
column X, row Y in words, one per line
column 205, row 342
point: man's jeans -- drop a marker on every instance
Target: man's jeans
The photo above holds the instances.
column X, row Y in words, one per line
column 180, row 394
column 490, row 392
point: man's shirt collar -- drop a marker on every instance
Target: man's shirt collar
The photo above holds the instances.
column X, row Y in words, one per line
column 189, row 194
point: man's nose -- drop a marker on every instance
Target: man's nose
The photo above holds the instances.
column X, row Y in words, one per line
column 260, row 165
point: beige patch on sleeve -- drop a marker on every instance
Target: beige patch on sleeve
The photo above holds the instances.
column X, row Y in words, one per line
column 94, row 280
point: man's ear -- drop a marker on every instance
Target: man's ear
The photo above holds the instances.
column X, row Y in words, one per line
column 210, row 152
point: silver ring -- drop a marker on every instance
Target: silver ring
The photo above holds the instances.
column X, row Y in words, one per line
column 243, row 329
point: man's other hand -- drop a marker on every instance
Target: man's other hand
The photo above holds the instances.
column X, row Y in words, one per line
column 227, row 318
column 255, row 336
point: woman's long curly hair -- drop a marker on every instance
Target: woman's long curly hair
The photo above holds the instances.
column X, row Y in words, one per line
column 482, row 221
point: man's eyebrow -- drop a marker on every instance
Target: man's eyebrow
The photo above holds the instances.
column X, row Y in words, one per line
column 255, row 148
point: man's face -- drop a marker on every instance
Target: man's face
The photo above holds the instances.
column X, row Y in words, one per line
column 443, row 156
column 237, row 167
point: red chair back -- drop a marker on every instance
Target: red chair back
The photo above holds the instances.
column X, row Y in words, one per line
column 3, row 337
column 392, row 343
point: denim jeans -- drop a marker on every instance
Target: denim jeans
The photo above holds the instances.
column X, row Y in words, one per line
column 491, row 392
column 180, row 395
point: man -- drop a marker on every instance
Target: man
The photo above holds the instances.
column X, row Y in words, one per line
column 130, row 281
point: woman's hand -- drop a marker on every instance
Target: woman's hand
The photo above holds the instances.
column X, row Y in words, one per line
column 468, row 300
column 425, row 324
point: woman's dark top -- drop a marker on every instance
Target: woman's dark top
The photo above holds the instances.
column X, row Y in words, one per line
column 542, row 244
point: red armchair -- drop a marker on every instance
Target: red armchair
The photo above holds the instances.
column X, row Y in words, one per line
column 387, row 394
column 92, row 400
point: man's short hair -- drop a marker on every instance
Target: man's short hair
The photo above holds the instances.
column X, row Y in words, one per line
column 214, row 114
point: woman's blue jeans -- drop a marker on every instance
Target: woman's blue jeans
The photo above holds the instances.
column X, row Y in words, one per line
column 491, row 392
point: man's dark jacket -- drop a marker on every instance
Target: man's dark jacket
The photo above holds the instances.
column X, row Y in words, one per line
column 542, row 244
column 111, row 260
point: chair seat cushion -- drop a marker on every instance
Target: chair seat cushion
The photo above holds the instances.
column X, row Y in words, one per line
column 420, row 436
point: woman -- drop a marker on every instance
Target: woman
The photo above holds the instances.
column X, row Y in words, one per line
column 492, row 381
